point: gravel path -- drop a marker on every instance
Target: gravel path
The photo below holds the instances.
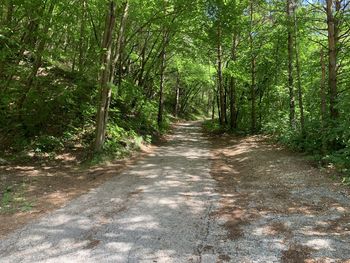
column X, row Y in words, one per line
column 157, row 211
column 195, row 200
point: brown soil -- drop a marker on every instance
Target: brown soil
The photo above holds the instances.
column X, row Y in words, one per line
column 51, row 185
column 259, row 180
column 296, row 254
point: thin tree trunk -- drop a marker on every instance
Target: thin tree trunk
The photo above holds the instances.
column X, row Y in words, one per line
column 9, row 14
column 118, row 47
column 253, row 72
column 177, row 95
column 105, row 89
column 162, row 81
column 323, row 102
column 226, row 94
column 300, row 90
column 217, row 96
column 81, row 37
column 290, row 16
column 220, row 80
column 233, row 108
column 213, row 106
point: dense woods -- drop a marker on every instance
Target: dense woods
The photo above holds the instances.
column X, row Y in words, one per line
column 106, row 75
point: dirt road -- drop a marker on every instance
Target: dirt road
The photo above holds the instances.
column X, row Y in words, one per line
column 197, row 200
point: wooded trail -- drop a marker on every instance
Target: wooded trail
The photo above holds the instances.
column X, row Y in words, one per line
column 198, row 199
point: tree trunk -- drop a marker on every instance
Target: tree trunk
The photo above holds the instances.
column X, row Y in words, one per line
column 118, row 47
column 332, row 59
column 253, row 71
column 233, row 108
column 220, row 80
column 162, row 80
column 9, row 14
column 177, row 95
column 300, row 90
column 217, row 96
column 105, row 89
column 323, row 103
column 290, row 4
column 81, row 37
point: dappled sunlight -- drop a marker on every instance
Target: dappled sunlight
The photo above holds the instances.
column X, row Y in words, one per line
column 320, row 244
column 277, row 206
column 138, row 214
column 263, row 204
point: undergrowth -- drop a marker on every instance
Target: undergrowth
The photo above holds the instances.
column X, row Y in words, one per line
column 67, row 123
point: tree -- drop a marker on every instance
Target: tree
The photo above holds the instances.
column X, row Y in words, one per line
column 333, row 34
column 105, row 77
column 253, row 70
column 290, row 17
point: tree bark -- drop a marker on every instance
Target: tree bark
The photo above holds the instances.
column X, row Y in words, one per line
column 9, row 13
column 105, row 89
column 297, row 61
column 290, row 4
column 162, row 80
column 233, row 108
column 253, row 72
column 81, row 37
column 117, row 49
column 220, row 80
column 332, row 59
column 177, row 95
column 323, row 102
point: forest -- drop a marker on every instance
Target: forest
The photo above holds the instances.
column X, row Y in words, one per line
column 109, row 75
column 175, row 131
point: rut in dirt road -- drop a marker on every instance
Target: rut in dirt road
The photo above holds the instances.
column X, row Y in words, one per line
column 196, row 199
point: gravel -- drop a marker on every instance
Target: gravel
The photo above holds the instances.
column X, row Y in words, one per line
column 197, row 200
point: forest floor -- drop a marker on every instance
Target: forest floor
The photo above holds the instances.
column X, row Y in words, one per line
column 196, row 198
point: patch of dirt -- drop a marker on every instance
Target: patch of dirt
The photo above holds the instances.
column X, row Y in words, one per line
column 135, row 193
column 228, row 175
column 224, row 258
column 271, row 194
column 296, row 254
column 340, row 226
column 234, row 228
column 208, row 248
column 92, row 243
column 277, row 228
column 51, row 185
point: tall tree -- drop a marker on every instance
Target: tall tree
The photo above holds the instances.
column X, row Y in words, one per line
column 298, row 69
column 219, row 73
column 233, row 92
column 333, row 31
column 290, row 17
column 253, row 69
column 105, row 84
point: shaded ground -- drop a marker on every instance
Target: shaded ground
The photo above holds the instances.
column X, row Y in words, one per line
column 156, row 211
column 42, row 186
column 276, row 207
column 197, row 200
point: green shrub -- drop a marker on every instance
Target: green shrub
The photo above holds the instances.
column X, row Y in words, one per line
column 47, row 143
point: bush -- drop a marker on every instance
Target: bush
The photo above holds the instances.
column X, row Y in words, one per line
column 47, row 144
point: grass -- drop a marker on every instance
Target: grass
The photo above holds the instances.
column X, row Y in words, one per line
column 13, row 199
